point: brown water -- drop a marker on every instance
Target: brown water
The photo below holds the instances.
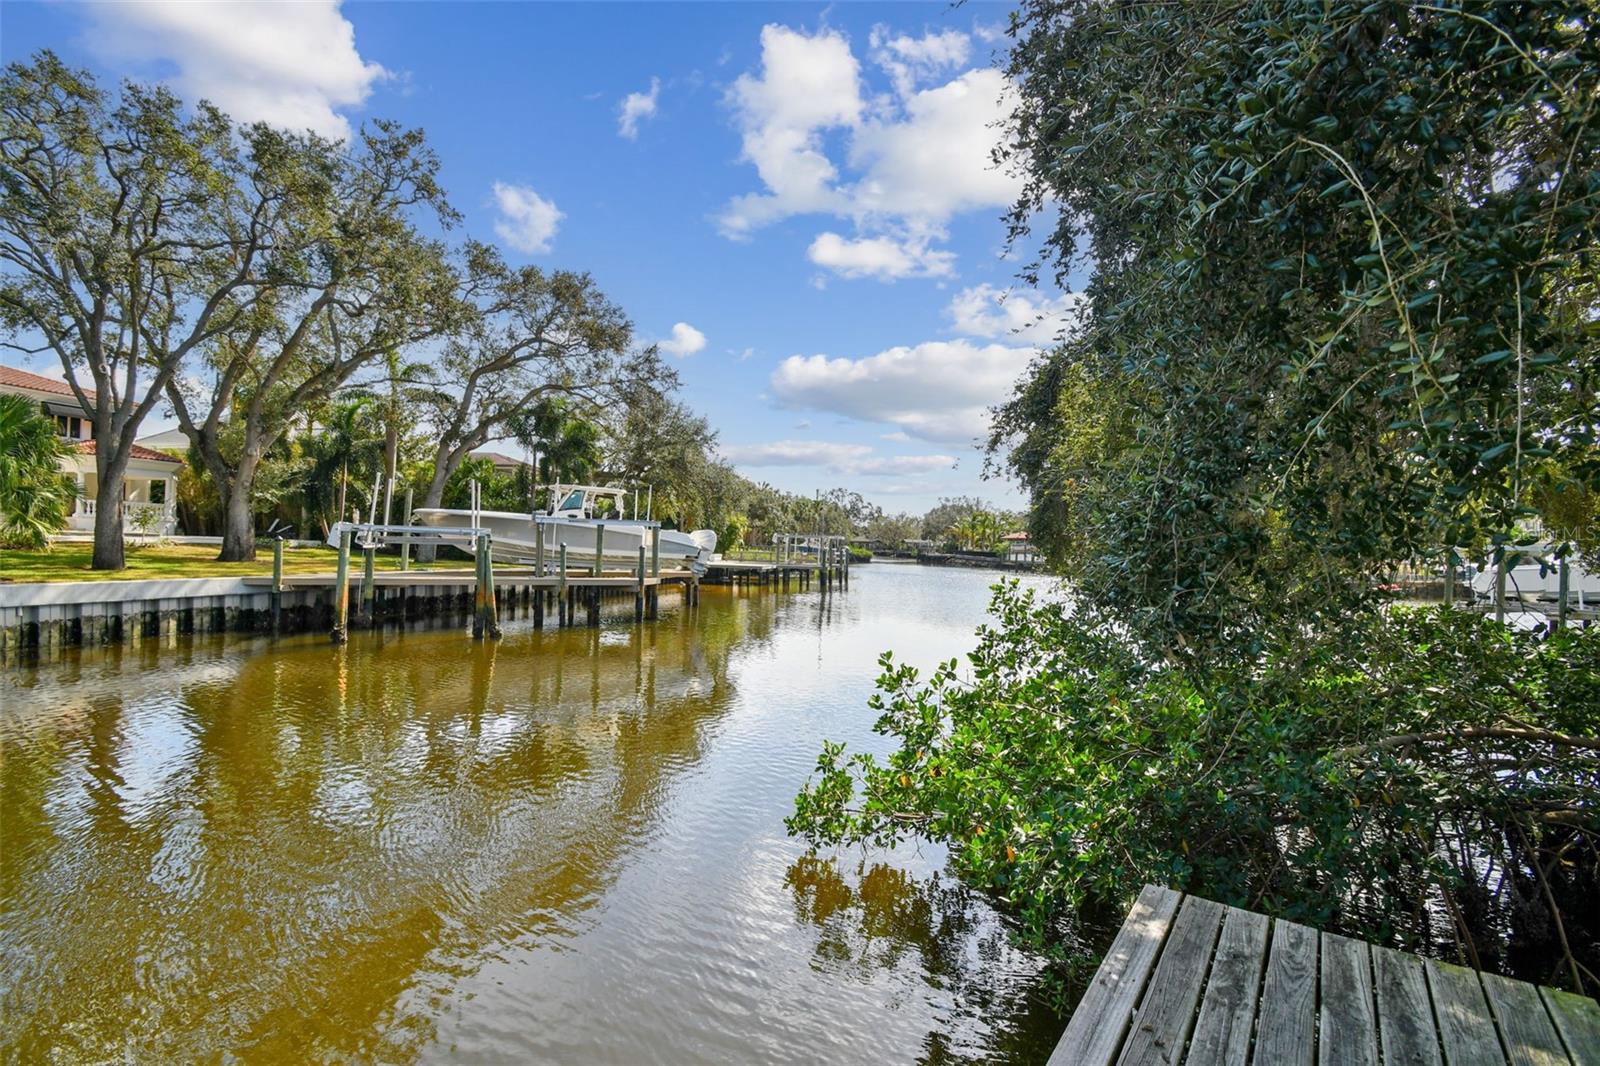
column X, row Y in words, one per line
column 567, row 846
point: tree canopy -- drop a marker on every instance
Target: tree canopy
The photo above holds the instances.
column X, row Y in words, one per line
column 1342, row 309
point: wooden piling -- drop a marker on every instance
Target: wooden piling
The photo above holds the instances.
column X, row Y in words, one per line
column 563, row 605
column 367, row 585
column 538, row 549
column 491, row 609
column 638, row 596
column 599, row 546
column 1500, row 585
column 277, row 584
column 1563, row 588
column 341, row 591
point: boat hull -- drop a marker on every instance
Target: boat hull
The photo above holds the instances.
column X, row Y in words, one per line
column 514, row 538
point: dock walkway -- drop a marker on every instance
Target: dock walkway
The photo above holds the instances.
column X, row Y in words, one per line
column 1189, row 981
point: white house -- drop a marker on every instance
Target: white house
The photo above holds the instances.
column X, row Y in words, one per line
column 150, row 491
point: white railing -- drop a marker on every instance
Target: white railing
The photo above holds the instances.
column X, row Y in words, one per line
column 139, row 518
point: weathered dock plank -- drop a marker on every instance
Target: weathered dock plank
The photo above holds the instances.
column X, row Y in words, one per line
column 1161, row 1024
column 1227, row 1014
column 1287, row 1030
column 1577, row 1020
column 1530, row 1036
column 1406, row 1029
column 1346, row 1023
column 1466, row 1027
column 1097, row 1027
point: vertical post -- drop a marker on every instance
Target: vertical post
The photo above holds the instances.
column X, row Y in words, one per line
column 491, row 606
column 277, row 583
column 341, row 590
column 638, row 595
column 538, row 548
column 477, row 587
column 599, row 546
column 1500, row 584
column 561, row 589
column 1563, row 588
column 405, row 540
column 655, row 552
column 367, row 585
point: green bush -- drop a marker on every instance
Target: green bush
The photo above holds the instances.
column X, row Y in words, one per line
column 1440, row 790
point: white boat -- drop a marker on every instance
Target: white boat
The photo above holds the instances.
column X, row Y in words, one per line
column 577, row 519
column 1539, row 578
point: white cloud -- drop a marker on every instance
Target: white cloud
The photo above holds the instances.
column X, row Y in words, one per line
column 294, row 66
column 839, row 458
column 911, row 59
column 1023, row 315
column 636, row 107
column 528, row 221
column 685, row 340
column 884, row 258
column 913, row 160
column 936, row 162
column 938, row 391
column 808, row 84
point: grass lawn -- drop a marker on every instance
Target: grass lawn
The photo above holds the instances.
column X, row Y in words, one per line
column 70, row 562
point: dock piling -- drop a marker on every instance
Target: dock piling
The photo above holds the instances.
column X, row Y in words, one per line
column 368, row 591
column 599, row 547
column 563, row 604
column 341, row 591
column 277, row 584
column 638, row 596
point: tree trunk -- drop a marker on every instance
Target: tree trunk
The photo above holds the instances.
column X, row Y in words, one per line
column 108, row 516
column 238, row 514
column 238, row 529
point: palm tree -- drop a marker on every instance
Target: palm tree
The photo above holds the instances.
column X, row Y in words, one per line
column 35, row 496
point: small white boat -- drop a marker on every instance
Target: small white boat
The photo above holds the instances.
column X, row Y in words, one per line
column 1539, row 578
column 585, row 518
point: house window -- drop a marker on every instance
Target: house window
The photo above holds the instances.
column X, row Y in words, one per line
column 158, row 492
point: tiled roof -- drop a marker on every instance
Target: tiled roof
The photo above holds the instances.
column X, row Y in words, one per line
column 21, row 379
column 498, row 458
column 1015, row 536
column 139, row 451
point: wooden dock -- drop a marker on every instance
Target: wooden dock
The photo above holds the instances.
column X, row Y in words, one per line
column 1189, row 981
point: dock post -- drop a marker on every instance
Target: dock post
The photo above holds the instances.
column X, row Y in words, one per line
column 599, row 546
column 341, row 591
column 1563, row 587
column 491, row 606
column 563, row 612
column 638, row 596
column 538, row 606
column 477, row 587
column 368, row 615
column 538, row 549
column 277, row 583
column 1500, row 584
column 405, row 540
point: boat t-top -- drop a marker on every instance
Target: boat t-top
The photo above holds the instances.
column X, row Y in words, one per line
column 584, row 518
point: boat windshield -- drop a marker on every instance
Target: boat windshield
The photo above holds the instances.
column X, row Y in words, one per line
column 573, row 502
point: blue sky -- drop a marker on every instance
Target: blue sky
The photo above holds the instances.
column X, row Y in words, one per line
column 796, row 198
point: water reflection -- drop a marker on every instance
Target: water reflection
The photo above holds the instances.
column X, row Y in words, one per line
column 565, row 845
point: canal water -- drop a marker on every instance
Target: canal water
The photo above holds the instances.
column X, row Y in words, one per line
column 564, row 847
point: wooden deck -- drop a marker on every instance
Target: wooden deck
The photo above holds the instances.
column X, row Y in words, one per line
column 1189, row 981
